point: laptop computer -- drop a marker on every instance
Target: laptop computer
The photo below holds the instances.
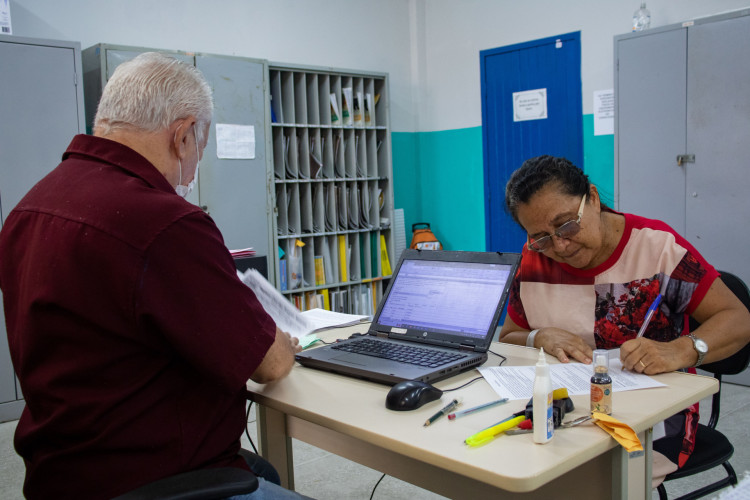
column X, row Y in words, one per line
column 444, row 302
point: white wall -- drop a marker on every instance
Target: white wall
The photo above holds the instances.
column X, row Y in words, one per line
column 455, row 32
column 351, row 34
column 430, row 48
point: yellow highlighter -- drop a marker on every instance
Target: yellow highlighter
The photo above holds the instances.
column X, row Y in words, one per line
column 488, row 435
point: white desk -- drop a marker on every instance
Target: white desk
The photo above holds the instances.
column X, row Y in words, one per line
column 348, row 417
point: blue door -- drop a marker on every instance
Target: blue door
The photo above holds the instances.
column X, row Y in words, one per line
column 531, row 105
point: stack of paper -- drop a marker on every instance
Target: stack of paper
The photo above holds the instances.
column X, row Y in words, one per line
column 243, row 252
column 322, row 319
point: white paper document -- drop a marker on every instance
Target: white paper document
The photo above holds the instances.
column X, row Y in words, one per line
column 6, row 27
column 322, row 318
column 604, row 112
column 516, row 382
column 235, row 142
column 287, row 317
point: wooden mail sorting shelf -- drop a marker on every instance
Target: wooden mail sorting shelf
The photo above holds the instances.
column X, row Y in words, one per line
column 333, row 186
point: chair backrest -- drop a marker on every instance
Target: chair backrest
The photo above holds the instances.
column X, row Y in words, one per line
column 737, row 362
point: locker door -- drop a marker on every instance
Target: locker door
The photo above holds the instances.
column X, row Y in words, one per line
column 42, row 109
column 650, row 119
column 718, row 121
column 233, row 191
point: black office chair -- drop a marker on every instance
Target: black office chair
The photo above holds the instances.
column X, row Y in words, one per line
column 202, row 484
column 712, row 448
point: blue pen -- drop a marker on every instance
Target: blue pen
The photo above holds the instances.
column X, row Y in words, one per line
column 649, row 313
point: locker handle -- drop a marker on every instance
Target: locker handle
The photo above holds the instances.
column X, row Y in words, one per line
column 685, row 159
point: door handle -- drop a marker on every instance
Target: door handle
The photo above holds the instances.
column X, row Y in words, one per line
column 685, row 159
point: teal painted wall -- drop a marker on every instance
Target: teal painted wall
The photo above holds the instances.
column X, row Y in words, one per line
column 438, row 177
column 599, row 160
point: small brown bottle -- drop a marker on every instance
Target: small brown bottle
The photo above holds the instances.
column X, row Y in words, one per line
column 601, row 383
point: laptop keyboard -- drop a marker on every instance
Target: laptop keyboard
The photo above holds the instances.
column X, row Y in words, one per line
column 403, row 353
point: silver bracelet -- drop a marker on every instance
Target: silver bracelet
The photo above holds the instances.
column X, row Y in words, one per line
column 530, row 338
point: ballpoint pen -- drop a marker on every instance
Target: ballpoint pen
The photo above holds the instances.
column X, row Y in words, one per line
column 488, row 435
column 469, row 411
column 449, row 408
column 649, row 314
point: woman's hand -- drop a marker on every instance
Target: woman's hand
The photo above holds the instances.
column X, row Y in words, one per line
column 560, row 343
column 563, row 345
column 648, row 356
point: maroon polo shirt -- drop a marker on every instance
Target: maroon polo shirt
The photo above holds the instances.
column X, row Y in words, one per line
column 130, row 332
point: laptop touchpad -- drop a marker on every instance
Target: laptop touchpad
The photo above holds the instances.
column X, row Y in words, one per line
column 351, row 359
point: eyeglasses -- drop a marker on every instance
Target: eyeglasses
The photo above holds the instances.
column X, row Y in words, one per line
column 566, row 231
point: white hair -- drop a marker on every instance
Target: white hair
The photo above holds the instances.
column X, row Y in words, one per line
column 150, row 92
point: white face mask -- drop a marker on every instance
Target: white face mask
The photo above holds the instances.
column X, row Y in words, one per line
column 184, row 191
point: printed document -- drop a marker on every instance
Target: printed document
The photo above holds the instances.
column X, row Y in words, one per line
column 517, row 382
column 287, row 317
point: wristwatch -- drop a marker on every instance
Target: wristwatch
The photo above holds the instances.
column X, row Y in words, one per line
column 700, row 347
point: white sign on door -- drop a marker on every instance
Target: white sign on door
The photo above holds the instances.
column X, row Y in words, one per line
column 530, row 105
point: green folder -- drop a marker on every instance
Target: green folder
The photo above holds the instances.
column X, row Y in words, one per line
column 362, row 264
column 374, row 253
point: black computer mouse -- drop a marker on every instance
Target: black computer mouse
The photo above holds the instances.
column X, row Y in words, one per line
column 410, row 395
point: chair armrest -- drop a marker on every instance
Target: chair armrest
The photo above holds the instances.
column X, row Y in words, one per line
column 203, row 484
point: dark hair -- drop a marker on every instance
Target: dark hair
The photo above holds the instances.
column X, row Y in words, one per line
column 538, row 172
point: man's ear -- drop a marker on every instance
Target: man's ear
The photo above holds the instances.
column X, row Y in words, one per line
column 180, row 131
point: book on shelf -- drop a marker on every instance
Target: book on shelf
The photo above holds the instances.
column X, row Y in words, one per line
column 385, row 263
column 320, row 274
column 368, row 107
column 342, row 258
column 362, row 263
column 340, row 301
column 334, row 111
column 357, row 114
column 282, row 275
column 346, row 105
column 374, row 253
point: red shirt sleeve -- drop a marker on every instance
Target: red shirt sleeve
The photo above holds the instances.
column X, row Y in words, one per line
column 192, row 295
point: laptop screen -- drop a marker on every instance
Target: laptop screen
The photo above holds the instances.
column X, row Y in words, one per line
column 445, row 297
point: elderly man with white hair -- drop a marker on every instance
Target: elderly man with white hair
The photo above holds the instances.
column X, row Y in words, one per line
column 129, row 330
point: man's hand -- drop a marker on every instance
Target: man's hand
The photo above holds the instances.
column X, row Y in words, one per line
column 295, row 343
column 278, row 361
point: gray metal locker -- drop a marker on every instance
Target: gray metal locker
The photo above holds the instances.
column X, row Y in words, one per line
column 681, row 133
column 41, row 103
column 233, row 191
column 681, row 136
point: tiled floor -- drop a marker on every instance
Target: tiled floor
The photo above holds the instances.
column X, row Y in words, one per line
column 322, row 475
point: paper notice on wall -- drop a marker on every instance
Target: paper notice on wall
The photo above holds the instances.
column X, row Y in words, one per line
column 235, row 142
column 604, row 112
column 530, row 105
column 5, row 26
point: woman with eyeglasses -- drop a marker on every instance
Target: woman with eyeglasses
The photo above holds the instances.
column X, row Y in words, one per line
column 589, row 275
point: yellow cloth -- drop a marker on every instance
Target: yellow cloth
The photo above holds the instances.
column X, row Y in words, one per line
column 622, row 433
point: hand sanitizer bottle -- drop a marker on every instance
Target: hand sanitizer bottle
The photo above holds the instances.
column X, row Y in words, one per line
column 544, row 423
